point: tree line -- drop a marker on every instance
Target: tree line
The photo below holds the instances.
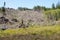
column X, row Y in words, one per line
column 57, row 6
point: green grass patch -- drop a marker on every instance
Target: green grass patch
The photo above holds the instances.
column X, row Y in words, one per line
column 41, row 30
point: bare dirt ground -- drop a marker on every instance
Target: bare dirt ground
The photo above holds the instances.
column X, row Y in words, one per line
column 31, row 37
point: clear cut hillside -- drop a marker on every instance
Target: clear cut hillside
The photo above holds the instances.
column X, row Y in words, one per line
column 17, row 18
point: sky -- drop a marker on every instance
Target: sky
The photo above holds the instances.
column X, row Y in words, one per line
column 27, row 3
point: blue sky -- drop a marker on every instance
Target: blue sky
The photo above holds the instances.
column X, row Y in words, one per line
column 27, row 3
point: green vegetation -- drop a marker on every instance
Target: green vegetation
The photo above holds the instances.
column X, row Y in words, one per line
column 53, row 14
column 40, row 30
column 37, row 8
column 32, row 33
column 58, row 5
column 53, row 6
column 23, row 8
